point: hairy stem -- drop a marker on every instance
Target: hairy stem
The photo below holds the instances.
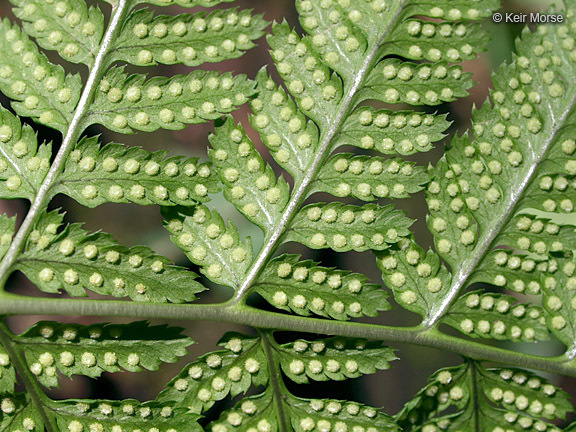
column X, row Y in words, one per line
column 300, row 190
column 73, row 133
column 475, row 396
column 276, row 382
column 249, row 316
column 32, row 387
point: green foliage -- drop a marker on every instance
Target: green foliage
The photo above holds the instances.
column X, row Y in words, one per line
column 222, row 256
column 40, row 90
column 74, row 260
column 126, row 102
column 485, row 400
column 191, row 39
column 218, row 374
column 304, row 287
column 23, row 163
column 114, row 173
column 334, row 359
column 344, row 227
column 257, row 360
column 484, row 195
column 89, row 351
column 69, row 27
column 363, row 75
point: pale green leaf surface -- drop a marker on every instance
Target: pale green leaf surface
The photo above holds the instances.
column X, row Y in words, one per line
column 40, row 89
column 249, row 183
column 344, row 227
column 343, row 34
column 471, row 396
column 114, row 173
column 416, row 277
column 487, row 179
column 559, row 300
column 395, row 81
column 218, row 374
column 7, row 373
column 250, row 413
column 191, row 39
column 392, row 132
column 418, row 40
column 291, row 139
column 75, row 260
column 131, row 102
column 183, row 3
column 369, row 177
column 497, row 316
column 7, row 229
column 112, row 415
column 91, row 350
column 223, row 256
column 305, row 288
column 452, row 10
column 561, row 219
column 334, row 359
column 19, row 411
column 327, row 413
column 317, row 91
column 69, row 27
column 23, row 164
column 519, row 272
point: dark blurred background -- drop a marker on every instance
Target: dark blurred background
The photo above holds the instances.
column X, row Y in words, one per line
column 132, row 225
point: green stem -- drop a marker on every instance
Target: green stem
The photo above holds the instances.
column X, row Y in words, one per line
column 32, row 387
column 276, row 382
column 73, row 133
column 11, row 304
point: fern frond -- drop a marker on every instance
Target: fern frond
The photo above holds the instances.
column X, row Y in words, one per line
column 328, row 73
column 257, row 361
column 257, row 412
column 7, row 373
column 218, row 374
column 23, row 162
column 304, row 287
column 253, row 412
column 70, row 27
column 333, row 359
column 19, row 411
column 517, row 158
column 77, row 415
column 114, row 173
column 364, row 75
column 130, row 102
column 222, row 255
column 485, row 400
column 361, row 177
column 392, row 132
column 305, row 414
column 240, row 168
column 191, row 39
column 40, row 89
column 558, row 300
column 91, row 350
column 74, row 260
column 344, row 227
column 103, row 415
column 184, row 3
column 498, row 316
